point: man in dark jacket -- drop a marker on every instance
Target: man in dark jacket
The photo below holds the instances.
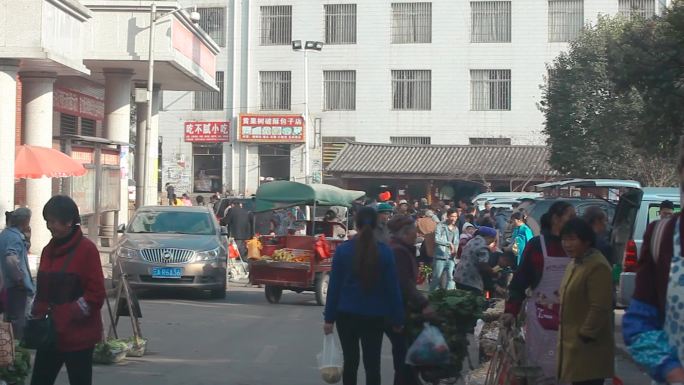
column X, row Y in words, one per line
column 238, row 222
column 402, row 243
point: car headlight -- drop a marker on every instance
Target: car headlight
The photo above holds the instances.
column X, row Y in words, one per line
column 209, row 255
column 127, row 253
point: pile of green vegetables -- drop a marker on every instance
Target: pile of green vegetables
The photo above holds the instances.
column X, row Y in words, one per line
column 110, row 351
column 19, row 371
column 456, row 313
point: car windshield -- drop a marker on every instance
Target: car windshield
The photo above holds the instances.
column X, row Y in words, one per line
column 172, row 222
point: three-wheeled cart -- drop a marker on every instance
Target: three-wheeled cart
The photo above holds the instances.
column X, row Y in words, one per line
column 297, row 262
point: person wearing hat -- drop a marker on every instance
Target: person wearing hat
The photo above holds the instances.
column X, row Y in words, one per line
column 403, row 207
column 14, row 265
column 385, row 211
column 468, row 233
column 474, row 262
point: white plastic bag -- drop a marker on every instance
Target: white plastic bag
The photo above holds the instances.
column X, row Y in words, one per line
column 429, row 349
column 330, row 360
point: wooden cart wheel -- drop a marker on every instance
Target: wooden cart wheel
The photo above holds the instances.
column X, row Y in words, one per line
column 322, row 288
column 273, row 293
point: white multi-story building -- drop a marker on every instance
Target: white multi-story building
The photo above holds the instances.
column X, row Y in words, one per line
column 440, row 72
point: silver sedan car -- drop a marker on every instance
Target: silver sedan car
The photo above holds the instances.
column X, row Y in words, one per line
column 173, row 247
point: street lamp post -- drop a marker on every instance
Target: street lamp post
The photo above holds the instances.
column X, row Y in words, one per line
column 194, row 17
column 315, row 46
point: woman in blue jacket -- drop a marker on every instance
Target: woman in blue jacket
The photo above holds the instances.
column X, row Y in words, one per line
column 362, row 294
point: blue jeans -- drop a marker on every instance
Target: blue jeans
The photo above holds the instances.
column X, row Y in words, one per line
column 439, row 266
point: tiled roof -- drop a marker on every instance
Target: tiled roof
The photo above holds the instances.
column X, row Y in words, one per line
column 453, row 161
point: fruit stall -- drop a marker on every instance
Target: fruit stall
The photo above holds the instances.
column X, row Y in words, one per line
column 295, row 262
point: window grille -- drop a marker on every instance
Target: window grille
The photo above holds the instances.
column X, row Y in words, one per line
column 275, row 90
column 276, row 25
column 410, row 140
column 411, row 23
column 490, row 90
column 88, row 127
column 210, row 100
column 491, row 21
column 636, row 8
column 340, row 90
column 213, row 22
column 490, row 141
column 340, row 23
column 566, row 19
column 68, row 124
column 411, row 89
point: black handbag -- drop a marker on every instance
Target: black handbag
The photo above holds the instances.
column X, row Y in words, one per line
column 40, row 333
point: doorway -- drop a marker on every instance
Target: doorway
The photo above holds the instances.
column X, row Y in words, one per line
column 274, row 162
column 207, row 167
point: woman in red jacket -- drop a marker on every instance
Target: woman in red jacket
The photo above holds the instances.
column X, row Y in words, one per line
column 70, row 281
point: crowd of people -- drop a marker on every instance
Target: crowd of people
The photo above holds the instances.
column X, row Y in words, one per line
column 559, row 282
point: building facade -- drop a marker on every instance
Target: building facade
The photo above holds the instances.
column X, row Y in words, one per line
column 409, row 73
column 68, row 71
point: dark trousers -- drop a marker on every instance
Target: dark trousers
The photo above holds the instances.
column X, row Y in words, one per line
column 468, row 288
column 49, row 362
column 354, row 328
column 403, row 373
column 15, row 310
column 598, row 381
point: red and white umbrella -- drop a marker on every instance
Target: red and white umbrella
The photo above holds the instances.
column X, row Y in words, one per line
column 34, row 162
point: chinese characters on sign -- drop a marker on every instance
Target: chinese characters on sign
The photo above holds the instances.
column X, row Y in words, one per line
column 207, row 132
column 271, row 128
column 75, row 103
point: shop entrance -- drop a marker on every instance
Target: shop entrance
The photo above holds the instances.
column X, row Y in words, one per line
column 207, row 161
column 274, row 161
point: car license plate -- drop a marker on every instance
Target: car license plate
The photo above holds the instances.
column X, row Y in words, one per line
column 167, row 272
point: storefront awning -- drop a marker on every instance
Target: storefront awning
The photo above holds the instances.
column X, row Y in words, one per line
column 441, row 162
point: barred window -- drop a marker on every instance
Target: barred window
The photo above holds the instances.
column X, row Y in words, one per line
column 68, row 124
column 275, row 90
column 636, row 8
column 340, row 23
column 410, row 139
column 88, row 127
column 411, row 89
column 340, row 90
column 210, row 100
column 566, row 19
column 276, row 25
column 213, row 22
column 490, row 90
column 490, row 141
column 411, row 23
column 491, row 21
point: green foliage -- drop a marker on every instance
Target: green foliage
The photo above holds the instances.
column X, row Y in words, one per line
column 612, row 103
column 20, row 370
column 107, row 352
column 457, row 311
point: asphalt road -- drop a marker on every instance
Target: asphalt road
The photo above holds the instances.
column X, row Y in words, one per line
column 242, row 340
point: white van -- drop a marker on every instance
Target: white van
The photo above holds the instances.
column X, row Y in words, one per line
column 648, row 212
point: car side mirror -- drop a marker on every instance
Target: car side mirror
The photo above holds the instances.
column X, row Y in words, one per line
column 224, row 231
column 121, row 229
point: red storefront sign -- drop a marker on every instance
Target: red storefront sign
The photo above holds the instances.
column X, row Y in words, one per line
column 75, row 103
column 271, row 128
column 207, row 132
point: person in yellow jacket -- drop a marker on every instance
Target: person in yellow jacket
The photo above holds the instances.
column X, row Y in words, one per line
column 586, row 346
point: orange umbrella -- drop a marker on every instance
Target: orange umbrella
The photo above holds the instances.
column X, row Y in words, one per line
column 33, row 162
